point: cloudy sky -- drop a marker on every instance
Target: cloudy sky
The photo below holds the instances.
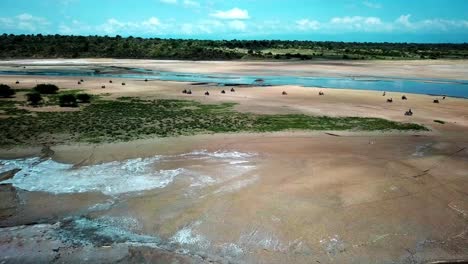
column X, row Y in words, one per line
column 337, row 20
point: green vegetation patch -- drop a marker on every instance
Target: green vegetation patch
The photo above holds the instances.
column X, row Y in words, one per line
column 304, row 122
column 8, row 107
column 54, row 99
column 130, row 118
column 46, row 88
column 439, row 121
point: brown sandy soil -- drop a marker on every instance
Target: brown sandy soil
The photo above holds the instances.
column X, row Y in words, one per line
column 311, row 197
column 348, row 199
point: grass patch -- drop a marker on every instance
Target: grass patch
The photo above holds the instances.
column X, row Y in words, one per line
column 439, row 121
column 9, row 108
column 304, row 122
column 131, row 118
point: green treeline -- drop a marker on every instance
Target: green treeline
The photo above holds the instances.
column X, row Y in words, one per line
column 57, row 46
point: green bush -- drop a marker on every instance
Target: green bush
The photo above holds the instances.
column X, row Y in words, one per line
column 6, row 91
column 83, row 98
column 34, row 98
column 46, row 88
column 67, row 100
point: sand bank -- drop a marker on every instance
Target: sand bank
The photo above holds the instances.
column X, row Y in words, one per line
column 438, row 69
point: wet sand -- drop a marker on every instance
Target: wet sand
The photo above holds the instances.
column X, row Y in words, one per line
column 305, row 197
column 348, row 199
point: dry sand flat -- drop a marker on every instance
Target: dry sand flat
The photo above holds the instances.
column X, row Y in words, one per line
column 417, row 69
column 438, row 69
column 290, row 197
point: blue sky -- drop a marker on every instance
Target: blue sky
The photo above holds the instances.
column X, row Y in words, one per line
column 337, row 20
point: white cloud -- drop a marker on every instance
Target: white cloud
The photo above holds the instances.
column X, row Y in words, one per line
column 436, row 24
column 229, row 22
column 272, row 26
column 356, row 20
column 25, row 22
column 6, row 22
column 375, row 24
column 359, row 23
column 66, row 30
column 187, row 29
column 347, row 23
column 444, row 24
column 237, row 25
column 213, row 26
column 75, row 28
column 404, row 20
column 151, row 22
column 191, row 4
column 234, row 13
column 306, row 24
column 184, row 3
column 372, row 4
column 114, row 26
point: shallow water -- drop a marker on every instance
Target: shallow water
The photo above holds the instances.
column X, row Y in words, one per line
column 454, row 88
column 132, row 175
column 166, row 183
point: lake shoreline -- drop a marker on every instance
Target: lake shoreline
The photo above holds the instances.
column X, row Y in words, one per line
column 417, row 78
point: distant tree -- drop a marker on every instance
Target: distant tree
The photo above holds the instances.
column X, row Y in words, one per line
column 52, row 46
column 6, row 91
column 46, row 88
column 67, row 100
column 34, row 98
column 83, row 98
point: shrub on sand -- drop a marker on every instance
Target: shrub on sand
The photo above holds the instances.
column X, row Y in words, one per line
column 34, row 98
column 67, row 100
column 83, row 98
column 6, row 91
column 46, row 88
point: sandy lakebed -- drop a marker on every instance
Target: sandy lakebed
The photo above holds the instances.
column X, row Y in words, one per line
column 283, row 197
